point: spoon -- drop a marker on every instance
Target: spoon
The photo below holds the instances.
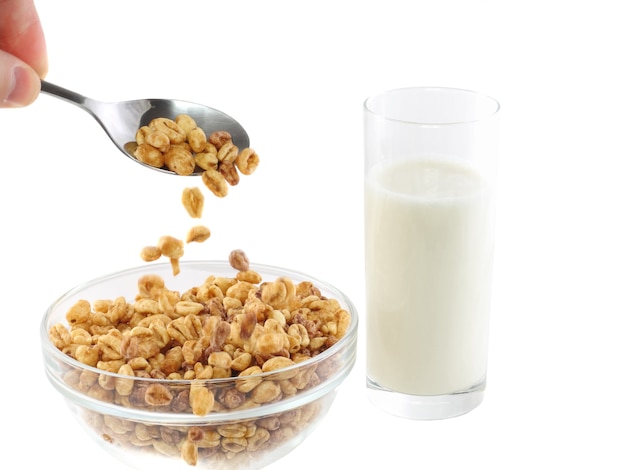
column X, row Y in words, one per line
column 121, row 120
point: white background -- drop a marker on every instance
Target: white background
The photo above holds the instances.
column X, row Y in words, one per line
column 295, row 75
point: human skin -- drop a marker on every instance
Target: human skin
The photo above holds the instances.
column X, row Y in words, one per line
column 23, row 53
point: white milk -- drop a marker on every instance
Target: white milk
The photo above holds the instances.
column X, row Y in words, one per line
column 428, row 255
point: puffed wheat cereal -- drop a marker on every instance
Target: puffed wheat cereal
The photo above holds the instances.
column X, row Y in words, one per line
column 182, row 147
column 228, row 327
column 149, row 155
column 172, row 248
column 247, row 327
column 216, row 182
column 150, row 253
column 198, row 234
column 239, row 260
column 229, row 172
column 247, row 161
column 179, row 160
column 196, row 139
column 193, row 201
column 207, row 159
column 186, row 123
column 219, row 138
column 169, row 127
column 159, row 140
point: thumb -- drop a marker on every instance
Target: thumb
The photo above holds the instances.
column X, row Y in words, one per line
column 19, row 83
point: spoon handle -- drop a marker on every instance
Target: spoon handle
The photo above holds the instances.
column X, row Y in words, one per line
column 60, row 92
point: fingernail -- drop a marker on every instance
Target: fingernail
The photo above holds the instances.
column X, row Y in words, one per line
column 21, row 88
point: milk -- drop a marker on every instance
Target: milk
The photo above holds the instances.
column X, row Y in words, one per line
column 428, row 258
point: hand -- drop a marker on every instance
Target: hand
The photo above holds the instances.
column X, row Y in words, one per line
column 23, row 54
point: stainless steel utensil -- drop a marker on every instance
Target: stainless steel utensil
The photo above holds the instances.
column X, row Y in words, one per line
column 121, row 120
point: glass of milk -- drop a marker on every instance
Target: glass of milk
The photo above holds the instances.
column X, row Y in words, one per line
column 430, row 174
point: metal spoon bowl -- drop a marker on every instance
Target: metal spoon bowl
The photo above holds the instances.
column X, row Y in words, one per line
column 121, row 120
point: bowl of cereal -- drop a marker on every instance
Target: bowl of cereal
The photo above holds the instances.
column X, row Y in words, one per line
column 215, row 366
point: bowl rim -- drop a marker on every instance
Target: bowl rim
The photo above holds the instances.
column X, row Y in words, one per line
column 348, row 341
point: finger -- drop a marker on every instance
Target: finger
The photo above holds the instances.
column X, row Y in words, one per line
column 19, row 83
column 21, row 34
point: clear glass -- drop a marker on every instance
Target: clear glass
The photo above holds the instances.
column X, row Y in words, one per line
column 430, row 174
column 112, row 408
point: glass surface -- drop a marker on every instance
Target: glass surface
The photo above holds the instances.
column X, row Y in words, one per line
column 430, row 173
column 112, row 407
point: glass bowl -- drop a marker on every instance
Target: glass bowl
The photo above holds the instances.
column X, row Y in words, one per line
column 242, row 418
